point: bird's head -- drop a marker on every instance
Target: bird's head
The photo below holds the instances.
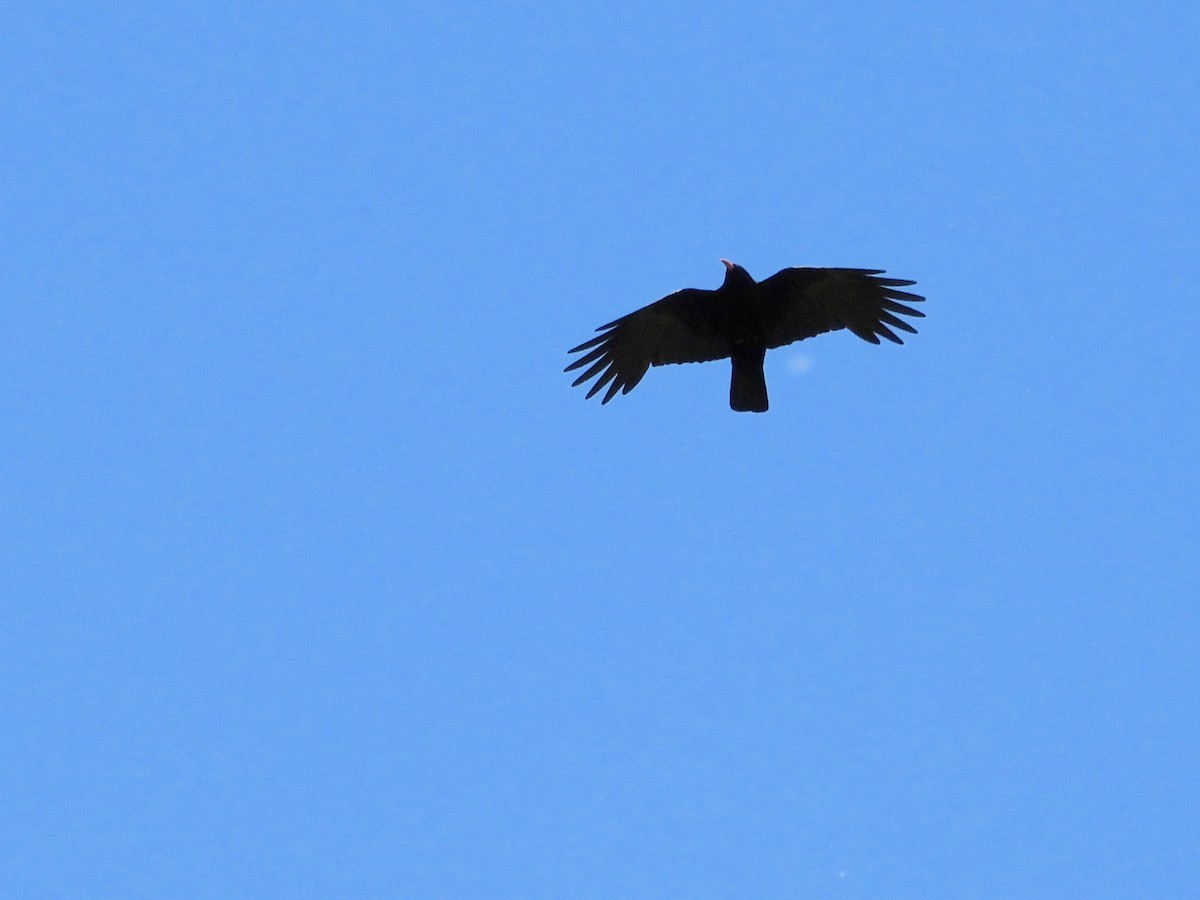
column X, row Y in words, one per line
column 735, row 275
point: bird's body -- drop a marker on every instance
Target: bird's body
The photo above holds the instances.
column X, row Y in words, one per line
column 742, row 320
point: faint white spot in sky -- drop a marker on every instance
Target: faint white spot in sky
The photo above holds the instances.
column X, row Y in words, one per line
column 799, row 364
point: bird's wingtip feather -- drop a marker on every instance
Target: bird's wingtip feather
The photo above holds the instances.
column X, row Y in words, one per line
column 904, row 295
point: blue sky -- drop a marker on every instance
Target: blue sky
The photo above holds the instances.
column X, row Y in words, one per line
column 318, row 579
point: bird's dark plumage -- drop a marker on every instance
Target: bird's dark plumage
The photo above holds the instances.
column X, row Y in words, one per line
column 742, row 320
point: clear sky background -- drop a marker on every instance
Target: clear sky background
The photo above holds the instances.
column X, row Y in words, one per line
column 318, row 579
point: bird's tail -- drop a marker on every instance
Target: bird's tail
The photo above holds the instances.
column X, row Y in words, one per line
column 748, row 386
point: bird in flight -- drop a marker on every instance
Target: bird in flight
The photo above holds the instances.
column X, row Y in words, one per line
column 742, row 320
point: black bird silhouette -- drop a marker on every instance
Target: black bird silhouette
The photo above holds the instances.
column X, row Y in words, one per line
column 742, row 320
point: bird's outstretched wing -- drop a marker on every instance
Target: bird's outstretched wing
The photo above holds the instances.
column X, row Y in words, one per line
column 800, row 303
column 682, row 327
